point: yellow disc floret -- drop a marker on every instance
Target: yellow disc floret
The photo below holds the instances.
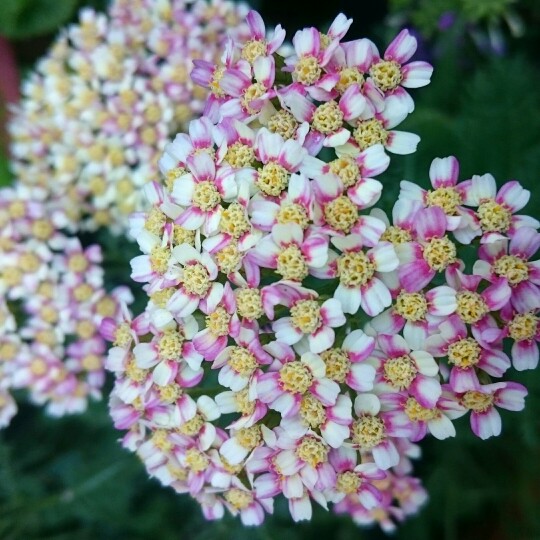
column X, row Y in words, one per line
column 249, row 303
column 295, row 377
column 471, row 307
column 196, row 279
column 328, row 118
column 242, row 361
column 370, row 132
column 272, row 179
column 411, row 306
column 524, row 326
column 341, row 213
column 306, row 316
column 355, row 269
column 312, row 451
column 447, row 198
column 206, row 196
column 477, row 401
column 494, row 217
column 346, row 168
column 513, row 268
column 440, row 253
column 337, row 363
column 464, row 353
column 291, row 263
column 368, row 432
column 307, row 70
column 386, row 74
column 400, row 372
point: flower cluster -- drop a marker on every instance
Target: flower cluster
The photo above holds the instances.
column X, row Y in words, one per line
column 52, row 302
column 97, row 111
column 296, row 342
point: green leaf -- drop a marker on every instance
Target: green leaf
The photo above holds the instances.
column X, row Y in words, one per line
column 29, row 18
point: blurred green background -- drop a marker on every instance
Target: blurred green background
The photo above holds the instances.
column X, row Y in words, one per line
column 70, row 479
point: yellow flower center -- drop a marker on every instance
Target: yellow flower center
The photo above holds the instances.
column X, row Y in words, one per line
column 42, row 229
column 242, row 361
column 106, row 307
column 215, row 88
column 337, row 363
column 464, row 353
column 471, row 307
column 291, row 264
column 159, row 259
column 283, row 123
column 17, row 209
column 160, row 298
column 250, row 437
column 368, row 432
column 493, row 216
column 196, row 461
column 341, row 213
column 312, row 451
column 295, row 377
column 136, row 374
column 349, row 76
column 234, row 221
column 477, row 401
column 328, row 118
column 218, row 322
column 29, row 263
column 47, row 313
column 196, row 280
column 192, row 427
column 251, row 93
column 170, row 345
column 172, row 176
column 122, row 335
column 272, row 179
column 312, row 411
column 306, row 316
column 170, row 392
column 253, row 49
column 400, row 372
column 354, row 269
column 346, row 168
column 249, row 303
column 514, row 269
column 38, row 367
column 91, row 362
column 307, row 70
column 396, row 235
column 82, row 292
column 161, row 440
column 243, row 403
column 8, row 351
column 206, row 196
column 293, row 213
column 183, row 236
column 370, row 132
column 417, row 413
column 523, row 326
column 239, row 155
column 447, row 198
column 155, row 221
column 386, row 74
column 439, row 253
column 348, row 482
column 411, row 306
column 229, row 258
column 238, row 498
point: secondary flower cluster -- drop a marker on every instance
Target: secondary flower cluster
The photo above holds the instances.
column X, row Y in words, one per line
column 52, row 302
column 295, row 342
column 98, row 110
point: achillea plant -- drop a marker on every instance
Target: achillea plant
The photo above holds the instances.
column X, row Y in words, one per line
column 298, row 342
column 98, row 110
column 88, row 132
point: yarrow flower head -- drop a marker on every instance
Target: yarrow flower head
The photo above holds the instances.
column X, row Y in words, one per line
column 96, row 113
column 52, row 349
column 297, row 342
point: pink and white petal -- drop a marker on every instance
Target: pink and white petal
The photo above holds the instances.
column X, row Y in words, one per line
column 444, row 172
column 384, row 257
column 326, row 391
column 416, row 275
column 332, row 313
column 365, row 193
column 286, row 332
column 480, row 188
column 358, row 345
column 402, row 142
column 367, row 404
column 334, row 434
column 321, row 339
column 361, row 377
column 525, row 355
column 442, row 301
column 393, row 345
column 416, row 74
column 375, row 297
column 513, row 196
column 291, row 155
column 164, row 373
column 352, row 103
column 192, row 219
column 385, row 455
column 497, row 294
column 233, row 452
column 402, row 47
column 300, row 509
column 442, row 428
column 463, row 380
column 286, row 234
column 426, row 390
column 425, row 362
column 512, row 397
column 487, row 424
column 338, row 138
column 525, row 242
column 526, row 297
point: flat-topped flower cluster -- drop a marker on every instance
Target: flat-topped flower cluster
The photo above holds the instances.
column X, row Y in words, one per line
column 52, row 302
column 297, row 341
column 96, row 113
